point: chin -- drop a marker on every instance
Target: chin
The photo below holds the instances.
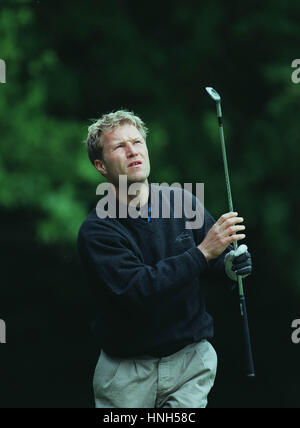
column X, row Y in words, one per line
column 136, row 179
column 137, row 176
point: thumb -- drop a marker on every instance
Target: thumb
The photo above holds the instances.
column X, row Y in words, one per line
column 242, row 249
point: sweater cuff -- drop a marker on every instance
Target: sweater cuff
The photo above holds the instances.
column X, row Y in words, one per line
column 199, row 258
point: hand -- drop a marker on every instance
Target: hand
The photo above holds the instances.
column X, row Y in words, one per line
column 238, row 262
column 221, row 235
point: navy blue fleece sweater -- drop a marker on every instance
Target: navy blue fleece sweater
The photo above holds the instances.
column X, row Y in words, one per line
column 146, row 277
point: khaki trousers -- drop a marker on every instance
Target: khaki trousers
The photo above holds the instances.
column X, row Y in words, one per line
column 180, row 380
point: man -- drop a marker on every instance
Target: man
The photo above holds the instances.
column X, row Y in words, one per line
column 152, row 325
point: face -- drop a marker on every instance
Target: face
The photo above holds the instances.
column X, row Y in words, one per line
column 124, row 153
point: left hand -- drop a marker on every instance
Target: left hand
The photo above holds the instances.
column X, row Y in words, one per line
column 238, row 262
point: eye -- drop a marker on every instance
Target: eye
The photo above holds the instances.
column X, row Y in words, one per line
column 138, row 142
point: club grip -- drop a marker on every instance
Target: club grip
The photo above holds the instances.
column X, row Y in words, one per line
column 246, row 338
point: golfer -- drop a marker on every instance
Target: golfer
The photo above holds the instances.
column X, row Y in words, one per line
column 147, row 276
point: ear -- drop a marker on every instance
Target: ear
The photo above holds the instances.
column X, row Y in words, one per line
column 100, row 166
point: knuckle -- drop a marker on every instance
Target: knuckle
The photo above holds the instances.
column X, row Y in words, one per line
column 223, row 241
column 227, row 222
column 217, row 231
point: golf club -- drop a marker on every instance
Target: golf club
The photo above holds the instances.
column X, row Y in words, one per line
column 247, row 343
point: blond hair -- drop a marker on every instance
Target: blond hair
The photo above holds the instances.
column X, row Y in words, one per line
column 106, row 122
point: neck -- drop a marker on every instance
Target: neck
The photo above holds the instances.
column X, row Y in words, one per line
column 140, row 196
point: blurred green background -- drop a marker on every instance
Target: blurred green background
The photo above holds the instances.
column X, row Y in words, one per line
column 69, row 62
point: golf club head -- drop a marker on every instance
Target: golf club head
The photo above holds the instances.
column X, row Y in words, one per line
column 213, row 94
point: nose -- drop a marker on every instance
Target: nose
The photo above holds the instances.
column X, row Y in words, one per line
column 131, row 150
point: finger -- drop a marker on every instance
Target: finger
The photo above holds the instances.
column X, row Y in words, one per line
column 236, row 267
column 225, row 217
column 236, row 237
column 244, row 271
column 233, row 229
column 231, row 222
column 241, row 259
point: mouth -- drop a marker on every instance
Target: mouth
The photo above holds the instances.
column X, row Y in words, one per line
column 135, row 164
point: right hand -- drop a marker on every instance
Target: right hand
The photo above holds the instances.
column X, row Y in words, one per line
column 222, row 233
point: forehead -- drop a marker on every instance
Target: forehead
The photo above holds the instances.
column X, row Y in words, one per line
column 121, row 133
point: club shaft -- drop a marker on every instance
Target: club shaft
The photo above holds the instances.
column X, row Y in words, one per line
column 243, row 310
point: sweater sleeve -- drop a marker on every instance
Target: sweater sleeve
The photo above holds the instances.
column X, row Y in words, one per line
column 123, row 274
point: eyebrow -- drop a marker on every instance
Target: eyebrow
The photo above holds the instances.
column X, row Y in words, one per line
column 130, row 139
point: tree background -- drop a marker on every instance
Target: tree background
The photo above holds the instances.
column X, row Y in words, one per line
column 69, row 62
